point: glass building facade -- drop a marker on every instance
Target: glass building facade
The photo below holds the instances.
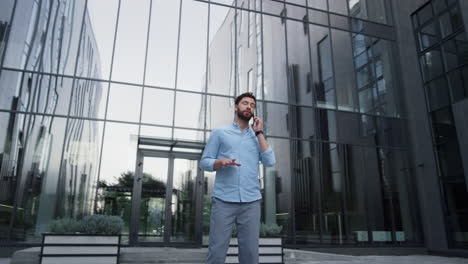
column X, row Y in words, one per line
column 105, row 107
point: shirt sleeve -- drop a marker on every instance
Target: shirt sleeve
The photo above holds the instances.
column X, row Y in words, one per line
column 268, row 157
column 210, row 154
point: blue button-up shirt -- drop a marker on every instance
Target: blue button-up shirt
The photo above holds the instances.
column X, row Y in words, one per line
column 236, row 183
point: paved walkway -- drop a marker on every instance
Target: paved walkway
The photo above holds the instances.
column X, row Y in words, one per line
column 325, row 258
column 342, row 259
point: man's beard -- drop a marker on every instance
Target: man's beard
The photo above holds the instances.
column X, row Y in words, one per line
column 242, row 116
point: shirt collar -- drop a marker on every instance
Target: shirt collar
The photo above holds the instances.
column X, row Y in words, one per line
column 236, row 126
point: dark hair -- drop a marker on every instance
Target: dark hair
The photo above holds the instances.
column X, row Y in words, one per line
column 248, row 94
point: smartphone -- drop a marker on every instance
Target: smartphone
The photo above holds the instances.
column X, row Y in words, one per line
column 253, row 120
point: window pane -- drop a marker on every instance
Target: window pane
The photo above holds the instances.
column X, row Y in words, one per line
column 117, row 172
column 220, row 111
column 162, row 44
column 35, row 93
column 438, row 93
column 332, row 196
column 373, row 10
column 289, row 121
column 100, row 25
column 317, row 35
column 344, row 67
column 192, row 48
column 80, row 166
column 30, row 156
column 433, row 65
column 129, row 57
column 89, row 99
column 427, row 36
column 338, row 6
column 306, row 190
column 221, row 56
column 189, row 112
column 124, row 103
column 277, row 187
column 158, row 107
column 275, row 59
column 155, row 132
column 299, row 64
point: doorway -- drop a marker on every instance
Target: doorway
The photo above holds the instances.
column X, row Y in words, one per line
column 167, row 198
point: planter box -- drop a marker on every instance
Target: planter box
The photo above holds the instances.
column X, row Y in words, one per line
column 79, row 249
column 270, row 250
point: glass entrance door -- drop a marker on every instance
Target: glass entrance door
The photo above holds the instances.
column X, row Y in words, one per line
column 166, row 202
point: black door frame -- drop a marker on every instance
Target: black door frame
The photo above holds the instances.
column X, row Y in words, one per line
column 136, row 198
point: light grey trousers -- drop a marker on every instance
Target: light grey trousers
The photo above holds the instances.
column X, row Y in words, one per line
column 223, row 217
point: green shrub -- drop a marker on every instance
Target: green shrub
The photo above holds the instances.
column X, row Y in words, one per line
column 102, row 224
column 92, row 224
column 65, row 225
column 268, row 230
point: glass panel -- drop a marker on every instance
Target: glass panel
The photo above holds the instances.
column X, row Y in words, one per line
column 333, row 231
column 427, row 36
column 162, row 43
column 339, row 21
column 220, row 111
column 425, row 14
column 445, row 24
column 438, row 93
column 189, row 111
column 184, row 200
column 450, row 162
column 299, row 72
column 277, row 187
column 100, row 26
column 115, row 186
column 35, row 93
column 443, row 125
column 306, row 192
column 459, row 83
column 49, row 37
column 155, row 132
column 379, row 211
column 221, row 56
column 153, row 200
column 188, row 134
column 30, row 157
column 192, row 47
column 318, row 17
column 450, row 55
column 356, row 213
column 319, row 4
column 433, row 66
column 373, row 10
column 208, row 185
column 158, row 106
column 344, row 67
column 124, row 102
column 130, row 47
column 79, row 174
column 326, row 90
column 338, row 6
column 289, row 121
column 326, row 121
column 5, row 17
column 275, row 74
column 89, row 99
column 316, row 34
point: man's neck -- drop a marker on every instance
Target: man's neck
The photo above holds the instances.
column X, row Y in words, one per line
column 241, row 123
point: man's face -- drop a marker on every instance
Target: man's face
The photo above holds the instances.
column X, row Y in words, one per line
column 245, row 109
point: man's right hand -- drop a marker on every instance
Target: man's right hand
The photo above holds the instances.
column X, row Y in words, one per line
column 224, row 162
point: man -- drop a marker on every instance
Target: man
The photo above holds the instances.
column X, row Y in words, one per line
column 234, row 152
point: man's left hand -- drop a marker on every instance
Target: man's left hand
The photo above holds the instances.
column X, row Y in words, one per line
column 258, row 124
